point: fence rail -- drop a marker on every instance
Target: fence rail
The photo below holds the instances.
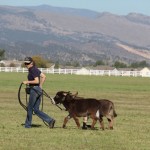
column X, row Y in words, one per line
column 81, row 72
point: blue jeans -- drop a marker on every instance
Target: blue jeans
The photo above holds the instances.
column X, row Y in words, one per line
column 33, row 105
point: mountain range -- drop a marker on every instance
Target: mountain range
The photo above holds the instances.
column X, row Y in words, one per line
column 74, row 35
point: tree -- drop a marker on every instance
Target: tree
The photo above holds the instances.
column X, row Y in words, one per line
column 57, row 65
column 40, row 62
column 134, row 65
column 2, row 65
column 12, row 65
column 68, row 64
column 75, row 64
column 118, row 64
column 143, row 64
column 98, row 63
column 139, row 64
column 2, row 54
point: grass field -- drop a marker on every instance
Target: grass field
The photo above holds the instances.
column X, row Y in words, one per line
column 131, row 96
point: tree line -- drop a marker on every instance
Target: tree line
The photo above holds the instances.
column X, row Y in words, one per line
column 43, row 63
column 119, row 64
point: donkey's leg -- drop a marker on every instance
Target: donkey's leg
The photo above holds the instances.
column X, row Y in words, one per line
column 110, row 120
column 76, row 121
column 93, row 123
column 66, row 120
column 110, row 117
column 101, row 123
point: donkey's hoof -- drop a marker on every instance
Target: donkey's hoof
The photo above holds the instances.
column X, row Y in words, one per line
column 102, row 128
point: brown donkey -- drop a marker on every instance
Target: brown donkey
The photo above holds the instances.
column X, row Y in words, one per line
column 84, row 107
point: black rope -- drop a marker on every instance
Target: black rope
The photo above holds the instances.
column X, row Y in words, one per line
column 42, row 93
column 20, row 102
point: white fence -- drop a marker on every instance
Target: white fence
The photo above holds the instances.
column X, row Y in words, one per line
column 82, row 71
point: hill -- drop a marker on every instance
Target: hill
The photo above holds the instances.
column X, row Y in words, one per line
column 73, row 35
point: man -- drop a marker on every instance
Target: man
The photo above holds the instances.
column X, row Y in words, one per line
column 35, row 80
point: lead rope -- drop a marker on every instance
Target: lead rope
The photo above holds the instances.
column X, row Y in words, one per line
column 20, row 102
column 52, row 100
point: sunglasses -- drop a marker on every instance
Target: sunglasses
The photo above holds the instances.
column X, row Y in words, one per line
column 27, row 64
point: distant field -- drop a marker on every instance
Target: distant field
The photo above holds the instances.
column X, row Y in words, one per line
column 131, row 96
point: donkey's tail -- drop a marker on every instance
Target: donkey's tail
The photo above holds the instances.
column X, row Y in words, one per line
column 114, row 112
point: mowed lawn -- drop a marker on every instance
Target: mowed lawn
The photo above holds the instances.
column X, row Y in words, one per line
column 131, row 96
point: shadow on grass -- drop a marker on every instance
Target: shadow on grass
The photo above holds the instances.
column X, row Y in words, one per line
column 59, row 127
column 76, row 128
column 33, row 125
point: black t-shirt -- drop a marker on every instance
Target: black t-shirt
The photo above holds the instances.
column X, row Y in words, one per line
column 33, row 73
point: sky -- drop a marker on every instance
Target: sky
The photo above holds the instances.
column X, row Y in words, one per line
column 119, row 7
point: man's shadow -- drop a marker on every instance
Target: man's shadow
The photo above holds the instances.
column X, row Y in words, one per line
column 33, row 125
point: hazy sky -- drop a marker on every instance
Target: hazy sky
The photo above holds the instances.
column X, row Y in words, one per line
column 120, row 7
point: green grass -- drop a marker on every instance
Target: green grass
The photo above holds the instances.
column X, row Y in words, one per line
column 131, row 96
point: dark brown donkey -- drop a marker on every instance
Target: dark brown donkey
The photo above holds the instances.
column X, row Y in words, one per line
column 83, row 107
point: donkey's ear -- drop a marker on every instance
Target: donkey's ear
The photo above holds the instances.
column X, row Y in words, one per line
column 69, row 92
column 74, row 95
column 65, row 93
